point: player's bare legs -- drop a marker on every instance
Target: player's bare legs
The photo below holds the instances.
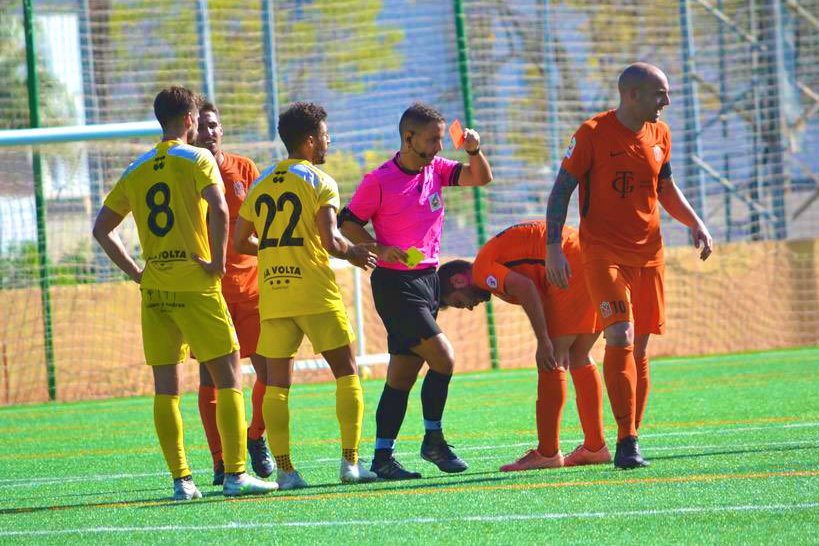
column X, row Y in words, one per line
column 643, row 377
column 402, row 372
column 439, row 355
column 620, row 372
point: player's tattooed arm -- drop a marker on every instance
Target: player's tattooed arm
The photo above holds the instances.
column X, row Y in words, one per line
column 558, row 205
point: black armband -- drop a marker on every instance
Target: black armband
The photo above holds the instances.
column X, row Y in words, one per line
column 665, row 171
column 346, row 215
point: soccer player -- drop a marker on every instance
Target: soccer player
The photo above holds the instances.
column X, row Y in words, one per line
column 241, row 292
column 292, row 207
column 404, row 199
column 169, row 190
column 623, row 157
column 511, row 266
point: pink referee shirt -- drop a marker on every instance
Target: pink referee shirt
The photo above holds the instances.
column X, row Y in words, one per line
column 406, row 207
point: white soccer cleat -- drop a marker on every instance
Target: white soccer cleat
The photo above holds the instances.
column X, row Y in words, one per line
column 184, row 489
column 290, row 480
column 355, row 473
column 237, row 485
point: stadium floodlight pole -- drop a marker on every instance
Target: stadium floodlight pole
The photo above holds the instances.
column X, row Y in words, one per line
column 33, row 85
column 692, row 135
column 271, row 74
column 206, row 60
column 477, row 192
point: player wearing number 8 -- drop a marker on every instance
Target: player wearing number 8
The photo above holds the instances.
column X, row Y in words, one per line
column 292, row 208
column 169, row 190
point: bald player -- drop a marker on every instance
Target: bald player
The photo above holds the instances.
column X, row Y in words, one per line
column 623, row 159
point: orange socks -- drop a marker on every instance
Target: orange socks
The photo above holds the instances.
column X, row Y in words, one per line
column 256, row 428
column 551, row 396
column 620, row 372
column 589, row 390
column 643, row 386
column 207, row 411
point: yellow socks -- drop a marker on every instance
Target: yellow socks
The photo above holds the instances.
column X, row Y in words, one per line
column 277, row 421
column 230, row 419
column 350, row 413
column 168, row 424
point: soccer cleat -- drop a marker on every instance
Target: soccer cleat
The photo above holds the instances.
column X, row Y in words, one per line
column 290, row 480
column 238, row 485
column 582, row 456
column 184, row 489
column 390, row 469
column 355, row 473
column 219, row 473
column 533, row 460
column 435, row 450
column 627, row 455
column 260, row 458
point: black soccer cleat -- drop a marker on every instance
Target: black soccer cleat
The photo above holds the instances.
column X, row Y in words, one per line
column 627, row 455
column 387, row 468
column 260, row 458
column 435, row 450
column 219, row 473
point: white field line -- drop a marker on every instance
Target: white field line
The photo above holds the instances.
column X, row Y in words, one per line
column 385, row 523
column 315, row 463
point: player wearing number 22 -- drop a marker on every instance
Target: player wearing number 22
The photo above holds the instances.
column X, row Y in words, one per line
column 291, row 209
column 170, row 190
column 621, row 159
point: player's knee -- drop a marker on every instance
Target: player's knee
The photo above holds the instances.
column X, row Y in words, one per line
column 443, row 363
column 620, row 334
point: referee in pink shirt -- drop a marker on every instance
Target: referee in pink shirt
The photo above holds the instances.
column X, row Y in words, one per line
column 404, row 200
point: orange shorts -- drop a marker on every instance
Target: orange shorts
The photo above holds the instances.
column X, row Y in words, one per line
column 245, row 316
column 622, row 293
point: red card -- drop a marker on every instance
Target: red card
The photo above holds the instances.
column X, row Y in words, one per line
column 456, row 132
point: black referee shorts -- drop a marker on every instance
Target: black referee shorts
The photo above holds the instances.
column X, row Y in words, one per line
column 407, row 302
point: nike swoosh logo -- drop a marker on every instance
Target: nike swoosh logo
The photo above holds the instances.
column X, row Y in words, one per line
column 614, row 154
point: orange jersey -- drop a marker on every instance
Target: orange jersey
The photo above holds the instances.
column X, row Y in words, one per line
column 521, row 248
column 618, row 172
column 239, row 282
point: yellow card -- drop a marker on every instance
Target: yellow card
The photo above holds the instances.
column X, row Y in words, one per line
column 414, row 257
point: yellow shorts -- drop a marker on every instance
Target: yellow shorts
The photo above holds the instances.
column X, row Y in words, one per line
column 281, row 337
column 172, row 321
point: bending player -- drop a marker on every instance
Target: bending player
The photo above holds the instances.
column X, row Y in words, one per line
column 169, row 190
column 241, row 292
column 292, row 208
column 511, row 266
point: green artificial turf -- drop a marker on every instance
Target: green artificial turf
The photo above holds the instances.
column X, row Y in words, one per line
column 733, row 443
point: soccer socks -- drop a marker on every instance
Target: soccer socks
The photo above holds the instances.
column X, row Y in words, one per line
column 168, row 424
column 350, row 414
column 230, row 418
column 620, row 372
column 434, row 393
column 207, row 412
column 277, row 418
column 643, row 386
column 589, row 391
column 389, row 416
column 551, row 396
column 256, row 428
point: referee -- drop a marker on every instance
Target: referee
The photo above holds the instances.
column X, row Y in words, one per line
column 403, row 198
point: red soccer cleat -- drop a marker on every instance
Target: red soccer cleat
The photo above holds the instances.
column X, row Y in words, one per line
column 532, row 460
column 582, row 456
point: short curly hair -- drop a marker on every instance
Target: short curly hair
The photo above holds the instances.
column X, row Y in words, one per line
column 174, row 102
column 298, row 121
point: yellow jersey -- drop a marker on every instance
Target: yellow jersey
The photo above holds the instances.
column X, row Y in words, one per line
column 163, row 190
column 295, row 277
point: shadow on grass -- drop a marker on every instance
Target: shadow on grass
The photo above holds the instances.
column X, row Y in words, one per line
column 761, row 449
